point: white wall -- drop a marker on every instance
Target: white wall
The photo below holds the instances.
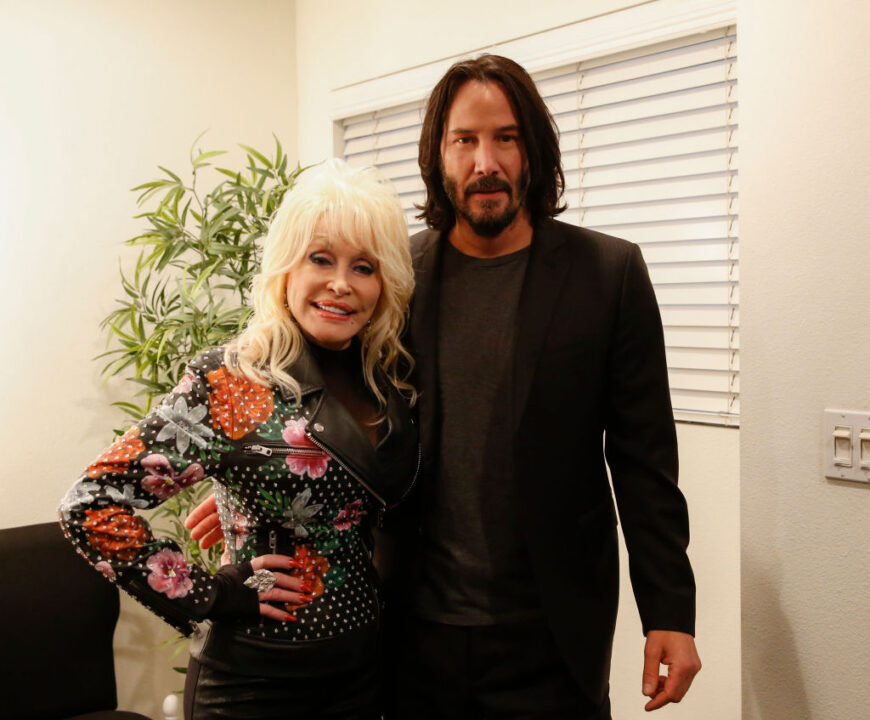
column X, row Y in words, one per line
column 709, row 477
column 805, row 256
column 95, row 94
column 389, row 36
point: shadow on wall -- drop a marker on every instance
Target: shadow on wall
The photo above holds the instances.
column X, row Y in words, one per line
column 769, row 650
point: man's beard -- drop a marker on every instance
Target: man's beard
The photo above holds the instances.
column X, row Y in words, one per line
column 490, row 222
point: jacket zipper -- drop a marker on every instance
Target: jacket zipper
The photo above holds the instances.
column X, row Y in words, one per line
column 281, row 450
column 416, row 473
column 273, row 548
column 350, row 472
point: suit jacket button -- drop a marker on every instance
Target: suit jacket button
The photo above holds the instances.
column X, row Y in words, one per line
column 318, row 427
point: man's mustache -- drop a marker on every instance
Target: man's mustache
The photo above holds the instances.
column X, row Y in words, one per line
column 488, row 184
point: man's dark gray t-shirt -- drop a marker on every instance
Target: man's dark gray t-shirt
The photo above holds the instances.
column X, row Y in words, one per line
column 475, row 563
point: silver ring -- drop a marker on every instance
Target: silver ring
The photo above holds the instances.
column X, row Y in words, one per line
column 262, row 580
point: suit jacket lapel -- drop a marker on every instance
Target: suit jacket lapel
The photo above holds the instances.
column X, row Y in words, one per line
column 424, row 339
column 543, row 282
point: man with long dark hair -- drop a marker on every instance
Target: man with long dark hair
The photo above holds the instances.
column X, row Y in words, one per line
column 534, row 341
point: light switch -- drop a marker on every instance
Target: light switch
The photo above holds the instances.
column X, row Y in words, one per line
column 843, row 445
column 864, row 448
column 847, row 445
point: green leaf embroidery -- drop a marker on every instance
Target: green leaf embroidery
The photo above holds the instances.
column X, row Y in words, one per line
column 335, row 577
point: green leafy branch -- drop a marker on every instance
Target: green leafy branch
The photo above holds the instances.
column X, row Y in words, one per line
column 191, row 283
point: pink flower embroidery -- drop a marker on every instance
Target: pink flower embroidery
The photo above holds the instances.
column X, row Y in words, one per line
column 169, row 574
column 162, row 481
column 107, row 570
column 305, row 456
column 185, row 385
column 351, row 515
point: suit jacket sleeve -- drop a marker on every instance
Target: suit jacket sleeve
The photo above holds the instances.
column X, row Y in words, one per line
column 641, row 450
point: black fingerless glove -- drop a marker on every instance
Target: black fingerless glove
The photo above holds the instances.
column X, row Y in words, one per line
column 234, row 601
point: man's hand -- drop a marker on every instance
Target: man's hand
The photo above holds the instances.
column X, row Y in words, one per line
column 204, row 523
column 677, row 651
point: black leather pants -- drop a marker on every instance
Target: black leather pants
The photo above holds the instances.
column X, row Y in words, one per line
column 211, row 694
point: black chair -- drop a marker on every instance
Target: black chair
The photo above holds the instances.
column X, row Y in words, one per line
column 57, row 619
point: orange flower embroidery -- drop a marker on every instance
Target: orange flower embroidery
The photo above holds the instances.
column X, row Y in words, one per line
column 311, row 567
column 116, row 458
column 115, row 532
column 237, row 404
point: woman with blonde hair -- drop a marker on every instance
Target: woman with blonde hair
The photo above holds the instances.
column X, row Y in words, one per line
column 303, row 425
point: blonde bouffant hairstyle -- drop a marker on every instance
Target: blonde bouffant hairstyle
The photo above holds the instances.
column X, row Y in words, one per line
column 364, row 210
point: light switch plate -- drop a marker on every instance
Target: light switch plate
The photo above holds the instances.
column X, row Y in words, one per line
column 856, row 421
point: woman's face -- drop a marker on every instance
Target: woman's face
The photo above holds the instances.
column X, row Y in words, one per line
column 333, row 292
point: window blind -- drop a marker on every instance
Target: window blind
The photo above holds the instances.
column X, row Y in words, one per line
column 650, row 153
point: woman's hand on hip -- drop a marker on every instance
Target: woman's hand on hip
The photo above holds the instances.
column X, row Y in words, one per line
column 288, row 589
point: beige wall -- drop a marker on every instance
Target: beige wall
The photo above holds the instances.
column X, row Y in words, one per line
column 333, row 54
column 95, row 94
column 805, row 256
column 344, row 41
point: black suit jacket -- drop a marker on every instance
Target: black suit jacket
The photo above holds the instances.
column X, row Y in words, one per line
column 590, row 380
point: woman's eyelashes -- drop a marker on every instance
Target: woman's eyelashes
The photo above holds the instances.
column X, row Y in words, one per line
column 363, row 267
column 319, row 259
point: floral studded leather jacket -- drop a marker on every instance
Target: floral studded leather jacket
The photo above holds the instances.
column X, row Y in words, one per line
column 298, row 479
